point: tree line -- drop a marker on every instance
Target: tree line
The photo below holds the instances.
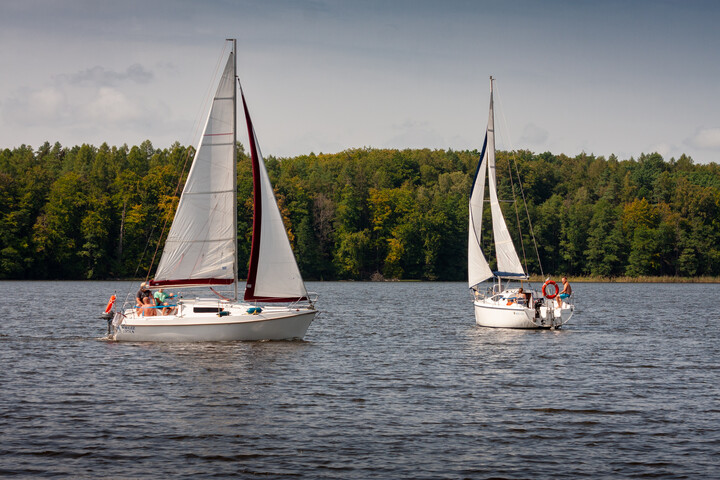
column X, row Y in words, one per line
column 88, row 212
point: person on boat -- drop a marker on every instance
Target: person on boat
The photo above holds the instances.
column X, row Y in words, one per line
column 161, row 299
column 524, row 297
column 148, row 308
column 141, row 295
column 519, row 298
column 565, row 293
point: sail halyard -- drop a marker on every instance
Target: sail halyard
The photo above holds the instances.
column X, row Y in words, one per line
column 273, row 274
column 201, row 247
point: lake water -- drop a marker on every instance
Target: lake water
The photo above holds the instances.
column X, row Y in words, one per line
column 393, row 380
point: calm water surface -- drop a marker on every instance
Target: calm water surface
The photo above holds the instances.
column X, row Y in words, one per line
column 393, row 380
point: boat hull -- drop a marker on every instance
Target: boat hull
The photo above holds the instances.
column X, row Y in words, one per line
column 492, row 314
column 275, row 324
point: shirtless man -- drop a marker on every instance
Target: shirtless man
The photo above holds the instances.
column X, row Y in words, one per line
column 148, row 309
column 565, row 293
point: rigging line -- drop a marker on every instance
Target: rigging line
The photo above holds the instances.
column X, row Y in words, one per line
column 517, row 215
column 220, row 295
column 506, row 133
column 506, row 130
column 527, row 212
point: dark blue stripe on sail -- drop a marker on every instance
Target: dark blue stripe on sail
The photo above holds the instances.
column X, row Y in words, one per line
column 510, row 275
column 477, row 170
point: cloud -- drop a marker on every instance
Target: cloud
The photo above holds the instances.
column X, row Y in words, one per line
column 111, row 105
column 705, row 139
column 27, row 107
column 99, row 76
column 412, row 134
column 664, row 149
column 97, row 113
column 533, row 135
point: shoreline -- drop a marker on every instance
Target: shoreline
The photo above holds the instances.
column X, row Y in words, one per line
column 533, row 279
column 643, row 279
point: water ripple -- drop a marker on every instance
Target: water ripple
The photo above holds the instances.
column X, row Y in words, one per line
column 393, row 380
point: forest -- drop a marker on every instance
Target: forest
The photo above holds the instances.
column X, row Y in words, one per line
column 88, row 212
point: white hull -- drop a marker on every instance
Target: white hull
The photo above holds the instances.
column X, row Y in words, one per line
column 493, row 314
column 273, row 323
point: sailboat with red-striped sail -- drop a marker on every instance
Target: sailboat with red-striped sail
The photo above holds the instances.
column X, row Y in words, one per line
column 201, row 248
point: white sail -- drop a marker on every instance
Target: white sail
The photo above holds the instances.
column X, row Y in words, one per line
column 273, row 275
column 200, row 247
column 508, row 262
column 478, row 268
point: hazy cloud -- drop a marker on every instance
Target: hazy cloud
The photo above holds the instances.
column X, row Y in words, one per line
column 663, row 149
column 99, row 76
column 101, row 111
column 111, row 105
column 412, row 134
column 533, row 135
column 28, row 107
column 705, row 139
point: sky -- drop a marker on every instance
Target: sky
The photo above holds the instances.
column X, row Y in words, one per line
column 621, row 77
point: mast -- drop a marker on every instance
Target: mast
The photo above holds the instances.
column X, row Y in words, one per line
column 491, row 134
column 491, row 120
column 234, row 164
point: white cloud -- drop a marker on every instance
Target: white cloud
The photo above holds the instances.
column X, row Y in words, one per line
column 111, row 105
column 705, row 139
column 30, row 107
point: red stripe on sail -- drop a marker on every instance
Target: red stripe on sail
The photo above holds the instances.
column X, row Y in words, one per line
column 191, row 282
column 275, row 299
column 257, row 206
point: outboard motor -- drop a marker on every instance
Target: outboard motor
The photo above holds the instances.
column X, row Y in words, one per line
column 109, row 314
column 537, row 305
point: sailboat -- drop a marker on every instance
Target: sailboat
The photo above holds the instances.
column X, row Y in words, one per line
column 503, row 304
column 201, row 248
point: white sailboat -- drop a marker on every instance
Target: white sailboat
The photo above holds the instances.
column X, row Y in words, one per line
column 201, row 248
column 503, row 305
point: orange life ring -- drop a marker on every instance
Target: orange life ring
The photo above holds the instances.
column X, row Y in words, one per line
column 110, row 304
column 550, row 282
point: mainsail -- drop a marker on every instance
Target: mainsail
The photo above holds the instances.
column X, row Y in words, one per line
column 508, row 262
column 273, row 275
column 201, row 246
